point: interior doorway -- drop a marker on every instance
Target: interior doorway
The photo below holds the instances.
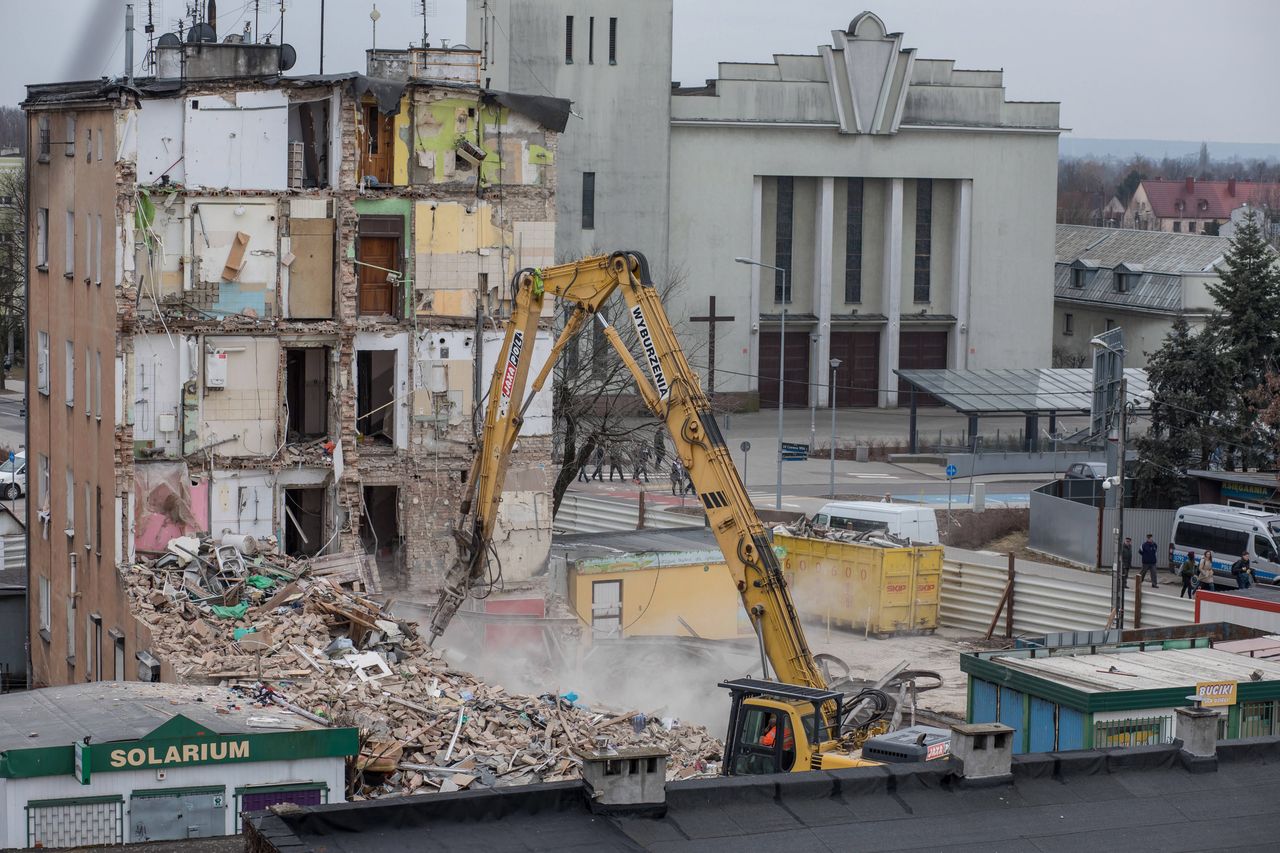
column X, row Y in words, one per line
column 304, row 521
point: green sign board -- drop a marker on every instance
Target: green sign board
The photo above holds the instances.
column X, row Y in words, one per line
column 180, row 742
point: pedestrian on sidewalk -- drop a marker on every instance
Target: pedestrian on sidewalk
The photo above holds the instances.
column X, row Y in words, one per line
column 1126, row 562
column 1150, row 553
column 659, row 449
column 582, row 472
column 1242, row 572
column 615, row 464
column 677, row 476
column 641, row 460
column 1206, row 572
column 597, row 474
column 1187, row 573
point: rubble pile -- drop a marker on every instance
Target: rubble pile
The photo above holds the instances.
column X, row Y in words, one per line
column 305, row 635
column 805, row 528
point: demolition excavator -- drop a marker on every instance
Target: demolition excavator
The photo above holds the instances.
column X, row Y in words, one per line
column 795, row 721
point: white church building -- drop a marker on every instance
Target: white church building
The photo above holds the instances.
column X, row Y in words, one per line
column 909, row 203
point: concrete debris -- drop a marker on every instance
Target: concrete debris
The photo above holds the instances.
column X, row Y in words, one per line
column 805, row 528
column 339, row 657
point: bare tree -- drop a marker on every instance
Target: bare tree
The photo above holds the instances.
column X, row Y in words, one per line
column 13, row 258
column 13, row 129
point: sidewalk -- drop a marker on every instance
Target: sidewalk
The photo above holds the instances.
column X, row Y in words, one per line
column 14, row 387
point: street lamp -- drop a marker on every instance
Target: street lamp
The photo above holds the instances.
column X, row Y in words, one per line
column 782, row 362
column 813, row 400
column 1120, row 427
column 835, row 364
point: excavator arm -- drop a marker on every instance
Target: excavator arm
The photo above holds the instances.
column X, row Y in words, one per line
column 672, row 392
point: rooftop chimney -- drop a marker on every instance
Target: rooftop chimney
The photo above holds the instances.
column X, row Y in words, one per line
column 1197, row 728
column 1231, row 187
column 1190, row 185
column 128, row 44
column 984, row 750
column 632, row 781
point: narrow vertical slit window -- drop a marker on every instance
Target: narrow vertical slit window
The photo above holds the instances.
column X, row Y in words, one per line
column 69, row 255
column 568, row 40
column 97, row 384
column 924, row 231
column 71, row 135
column 69, row 368
column 591, row 40
column 613, row 41
column 97, row 253
column 88, row 383
column 42, row 238
column 853, row 241
column 782, row 245
column 588, row 200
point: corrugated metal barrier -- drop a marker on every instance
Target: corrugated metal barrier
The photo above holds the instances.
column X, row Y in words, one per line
column 1043, row 602
column 586, row 514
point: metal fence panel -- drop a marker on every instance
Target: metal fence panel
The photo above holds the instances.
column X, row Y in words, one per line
column 585, row 514
column 1137, row 524
column 1064, row 529
column 1044, row 604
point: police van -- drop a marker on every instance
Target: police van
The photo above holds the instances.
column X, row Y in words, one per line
column 1228, row 531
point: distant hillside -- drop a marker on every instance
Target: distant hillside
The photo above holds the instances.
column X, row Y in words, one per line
column 1156, row 149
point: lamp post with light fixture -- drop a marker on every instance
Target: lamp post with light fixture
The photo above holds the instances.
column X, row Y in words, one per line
column 782, row 362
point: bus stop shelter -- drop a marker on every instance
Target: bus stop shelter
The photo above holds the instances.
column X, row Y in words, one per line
column 1031, row 392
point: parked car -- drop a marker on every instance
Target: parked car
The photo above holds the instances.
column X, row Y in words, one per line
column 1086, row 471
column 1228, row 531
column 13, row 477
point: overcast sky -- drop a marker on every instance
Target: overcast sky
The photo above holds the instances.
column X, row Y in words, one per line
column 1161, row 69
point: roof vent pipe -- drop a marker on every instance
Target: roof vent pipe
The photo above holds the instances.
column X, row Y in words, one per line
column 128, row 44
column 1190, row 185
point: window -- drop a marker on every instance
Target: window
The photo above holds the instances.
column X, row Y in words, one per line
column 613, row 41
column 588, row 200
column 568, row 40
column 71, row 630
column 1177, row 227
column 88, row 247
column 1263, row 549
column 93, row 647
column 97, row 527
column 42, row 239
column 924, row 232
column 97, row 253
column 88, row 517
column 42, row 143
column 69, row 367
column 71, row 135
column 88, row 144
column 782, row 242
column 46, row 610
column 99, row 143
column 42, row 362
column 97, row 384
column 1111, row 324
column 1079, row 277
column 1125, row 281
column 88, row 383
column 591, row 40
column 69, row 258
column 117, row 642
column 71, row 503
column 1068, row 324
column 1191, row 227
column 46, row 484
column 1258, row 719
column 853, row 241
column 1203, row 537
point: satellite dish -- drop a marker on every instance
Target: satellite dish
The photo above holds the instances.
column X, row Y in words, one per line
column 201, row 33
column 288, row 57
column 169, row 40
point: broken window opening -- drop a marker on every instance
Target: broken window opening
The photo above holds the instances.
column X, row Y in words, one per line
column 375, row 396
column 380, row 532
column 378, row 131
column 304, row 521
column 309, row 145
column 306, row 378
column 378, row 252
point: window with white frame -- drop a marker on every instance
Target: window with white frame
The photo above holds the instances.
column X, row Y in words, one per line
column 97, row 384
column 88, row 517
column 99, row 143
column 88, row 246
column 97, row 253
column 43, row 497
column 71, row 504
column 42, row 363
column 71, row 135
column 46, row 611
column 42, row 238
column 88, row 382
column 69, row 258
column 70, row 370
column 71, row 629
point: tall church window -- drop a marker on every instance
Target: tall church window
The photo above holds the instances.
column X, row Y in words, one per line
column 782, row 246
column 853, row 241
column 924, row 228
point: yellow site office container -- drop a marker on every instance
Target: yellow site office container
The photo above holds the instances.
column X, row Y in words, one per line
column 883, row 590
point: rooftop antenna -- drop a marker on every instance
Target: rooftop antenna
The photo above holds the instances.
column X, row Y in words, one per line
column 282, row 21
column 321, row 36
column 150, row 61
column 374, row 16
column 427, row 9
column 257, row 30
column 211, row 14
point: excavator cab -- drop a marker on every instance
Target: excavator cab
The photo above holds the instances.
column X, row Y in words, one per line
column 776, row 728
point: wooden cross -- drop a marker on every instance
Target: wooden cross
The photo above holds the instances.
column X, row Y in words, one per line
column 710, row 318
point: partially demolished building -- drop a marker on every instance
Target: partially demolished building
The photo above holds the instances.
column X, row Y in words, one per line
column 267, row 306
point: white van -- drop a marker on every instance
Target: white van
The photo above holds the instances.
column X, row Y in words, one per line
column 1228, row 531
column 917, row 523
column 13, row 477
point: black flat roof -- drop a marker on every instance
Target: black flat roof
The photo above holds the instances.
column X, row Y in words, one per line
column 1135, row 800
column 1065, row 390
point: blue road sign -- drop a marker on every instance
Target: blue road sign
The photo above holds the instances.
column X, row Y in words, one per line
column 951, row 471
